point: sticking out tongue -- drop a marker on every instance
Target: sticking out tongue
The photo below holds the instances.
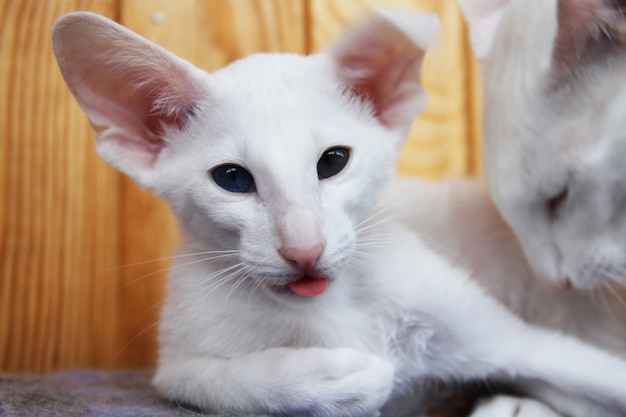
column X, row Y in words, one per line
column 309, row 286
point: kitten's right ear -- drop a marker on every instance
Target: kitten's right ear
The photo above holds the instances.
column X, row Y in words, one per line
column 132, row 90
column 483, row 18
column 380, row 63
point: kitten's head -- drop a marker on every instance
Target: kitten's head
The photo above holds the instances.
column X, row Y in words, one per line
column 555, row 130
column 276, row 157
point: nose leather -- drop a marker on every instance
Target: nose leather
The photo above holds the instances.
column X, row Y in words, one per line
column 304, row 259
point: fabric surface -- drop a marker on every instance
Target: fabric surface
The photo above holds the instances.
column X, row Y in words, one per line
column 88, row 393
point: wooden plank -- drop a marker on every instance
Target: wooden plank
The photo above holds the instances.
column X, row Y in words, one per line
column 441, row 139
column 210, row 33
column 59, row 209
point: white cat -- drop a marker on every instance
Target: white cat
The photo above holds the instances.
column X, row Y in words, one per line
column 289, row 296
column 458, row 219
column 554, row 131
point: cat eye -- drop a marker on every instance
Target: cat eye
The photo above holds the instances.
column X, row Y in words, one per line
column 332, row 162
column 556, row 203
column 233, row 178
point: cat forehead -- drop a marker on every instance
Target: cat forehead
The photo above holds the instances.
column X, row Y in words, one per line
column 278, row 95
column 271, row 87
column 278, row 72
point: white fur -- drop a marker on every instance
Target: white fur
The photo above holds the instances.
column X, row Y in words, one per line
column 555, row 107
column 457, row 219
column 396, row 315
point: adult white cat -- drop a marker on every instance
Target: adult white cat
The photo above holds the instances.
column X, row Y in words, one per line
column 555, row 117
column 458, row 219
column 285, row 298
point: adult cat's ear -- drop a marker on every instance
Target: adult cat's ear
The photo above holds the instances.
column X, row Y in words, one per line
column 380, row 61
column 483, row 18
column 132, row 90
column 587, row 29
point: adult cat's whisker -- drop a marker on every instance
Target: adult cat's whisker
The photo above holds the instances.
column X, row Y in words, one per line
column 616, row 295
column 599, row 297
column 616, row 275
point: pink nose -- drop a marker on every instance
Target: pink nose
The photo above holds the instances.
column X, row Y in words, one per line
column 303, row 259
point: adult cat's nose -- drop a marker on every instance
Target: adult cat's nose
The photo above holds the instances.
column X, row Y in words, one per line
column 304, row 259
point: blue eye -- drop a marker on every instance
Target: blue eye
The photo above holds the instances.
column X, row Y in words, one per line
column 233, row 178
column 332, row 162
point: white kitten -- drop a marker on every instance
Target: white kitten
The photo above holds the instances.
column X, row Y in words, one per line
column 554, row 131
column 288, row 297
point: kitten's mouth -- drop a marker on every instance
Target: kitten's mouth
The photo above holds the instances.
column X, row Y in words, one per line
column 309, row 286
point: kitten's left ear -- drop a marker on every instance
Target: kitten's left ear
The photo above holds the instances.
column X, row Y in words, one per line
column 132, row 90
column 380, row 61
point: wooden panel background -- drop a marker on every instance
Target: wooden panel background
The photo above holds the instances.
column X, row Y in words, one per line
column 83, row 251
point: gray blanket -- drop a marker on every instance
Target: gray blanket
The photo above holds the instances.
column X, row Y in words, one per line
column 87, row 393
column 122, row 394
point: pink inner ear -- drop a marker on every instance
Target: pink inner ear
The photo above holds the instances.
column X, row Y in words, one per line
column 130, row 88
column 132, row 105
column 381, row 66
column 386, row 85
column 583, row 24
column 163, row 108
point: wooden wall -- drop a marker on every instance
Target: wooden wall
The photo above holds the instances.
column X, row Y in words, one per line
column 83, row 251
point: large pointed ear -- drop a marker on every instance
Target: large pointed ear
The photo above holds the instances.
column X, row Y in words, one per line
column 483, row 18
column 380, row 62
column 587, row 30
column 132, row 90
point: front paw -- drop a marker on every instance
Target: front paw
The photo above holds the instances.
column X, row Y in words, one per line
column 505, row 406
column 336, row 382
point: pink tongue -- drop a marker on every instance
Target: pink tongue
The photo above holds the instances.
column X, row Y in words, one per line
column 309, row 286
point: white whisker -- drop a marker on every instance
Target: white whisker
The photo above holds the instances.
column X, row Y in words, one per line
column 178, row 266
column 616, row 295
column 174, row 257
column 133, row 339
column 231, row 272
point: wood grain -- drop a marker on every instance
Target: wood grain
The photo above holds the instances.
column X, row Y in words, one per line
column 59, row 217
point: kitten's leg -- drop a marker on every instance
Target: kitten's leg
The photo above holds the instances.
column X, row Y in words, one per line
column 312, row 382
column 505, row 406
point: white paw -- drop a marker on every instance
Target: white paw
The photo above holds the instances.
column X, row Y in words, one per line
column 505, row 406
column 336, row 382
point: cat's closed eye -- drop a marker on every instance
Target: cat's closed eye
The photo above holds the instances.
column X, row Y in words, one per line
column 233, row 178
column 555, row 203
column 332, row 162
